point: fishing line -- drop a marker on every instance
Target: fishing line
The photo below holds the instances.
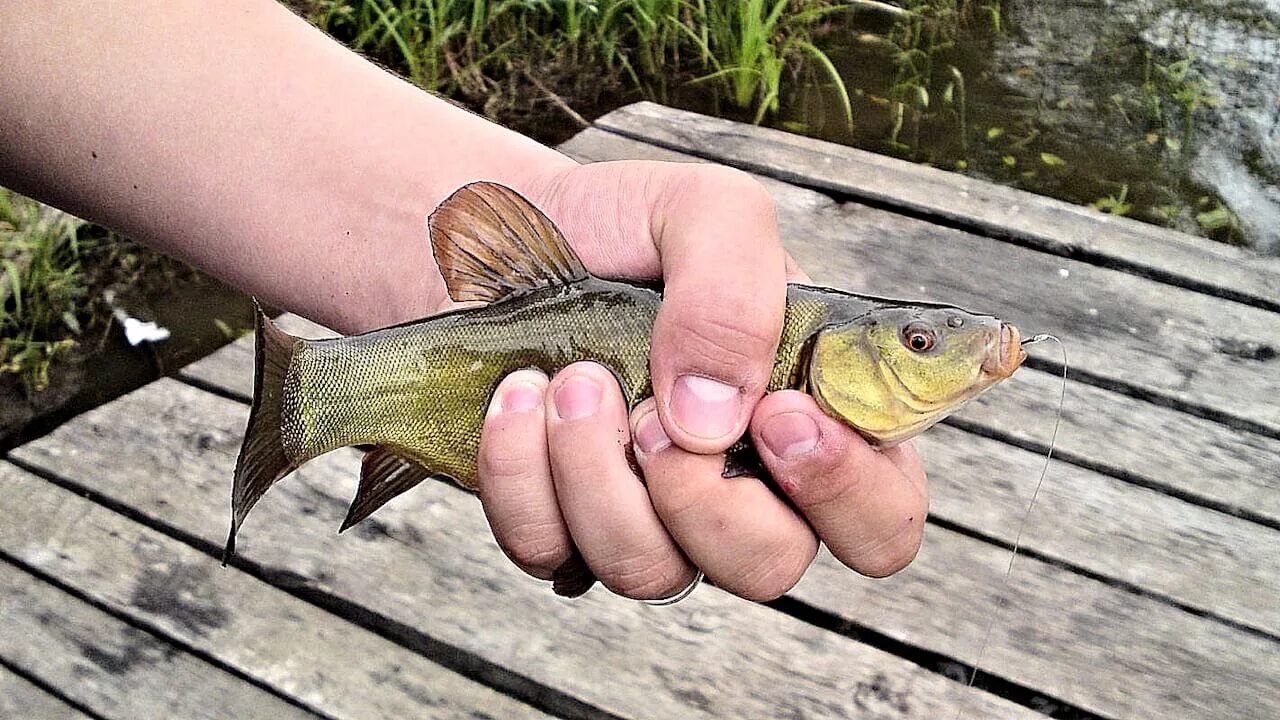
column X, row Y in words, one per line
column 1017, row 542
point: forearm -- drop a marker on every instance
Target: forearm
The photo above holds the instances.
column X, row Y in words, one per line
column 237, row 137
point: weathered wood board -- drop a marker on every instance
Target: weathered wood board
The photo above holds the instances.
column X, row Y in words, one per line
column 19, row 698
column 1101, row 658
column 1233, row 470
column 999, row 211
column 224, row 370
column 311, row 656
column 428, row 561
column 115, row 669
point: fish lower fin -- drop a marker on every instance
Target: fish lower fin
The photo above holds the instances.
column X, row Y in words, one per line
column 573, row 578
column 263, row 460
column 384, row 474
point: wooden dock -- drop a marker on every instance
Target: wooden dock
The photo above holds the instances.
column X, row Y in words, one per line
column 1148, row 586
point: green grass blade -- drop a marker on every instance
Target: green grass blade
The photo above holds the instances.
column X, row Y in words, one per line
column 816, row 53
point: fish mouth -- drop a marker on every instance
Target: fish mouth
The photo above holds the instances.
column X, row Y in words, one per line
column 1007, row 355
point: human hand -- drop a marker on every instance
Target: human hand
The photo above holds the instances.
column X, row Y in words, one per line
column 554, row 478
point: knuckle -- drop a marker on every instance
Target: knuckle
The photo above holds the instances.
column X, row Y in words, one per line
column 500, row 460
column 723, row 180
column 645, row 575
column 535, row 545
column 824, row 482
column 889, row 555
column 726, row 344
column 677, row 504
column 773, row 573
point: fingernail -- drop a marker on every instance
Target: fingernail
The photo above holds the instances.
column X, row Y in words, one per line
column 790, row 435
column 649, row 435
column 520, row 397
column 577, row 398
column 704, row 407
column 517, row 396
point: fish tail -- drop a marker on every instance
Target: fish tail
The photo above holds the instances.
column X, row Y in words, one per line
column 263, row 460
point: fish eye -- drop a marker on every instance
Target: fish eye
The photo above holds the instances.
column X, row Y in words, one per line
column 918, row 338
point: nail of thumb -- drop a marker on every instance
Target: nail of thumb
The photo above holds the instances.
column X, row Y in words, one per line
column 705, row 408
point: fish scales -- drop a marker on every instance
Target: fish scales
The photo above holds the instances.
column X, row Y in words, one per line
column 424, row 387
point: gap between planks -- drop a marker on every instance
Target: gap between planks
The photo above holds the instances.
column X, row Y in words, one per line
column 117, row 668
column 419, row 683
column 23, row 694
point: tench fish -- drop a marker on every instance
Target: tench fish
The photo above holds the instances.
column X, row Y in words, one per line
column 418, row 392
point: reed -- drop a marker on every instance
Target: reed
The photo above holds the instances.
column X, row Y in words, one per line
column 42, row 288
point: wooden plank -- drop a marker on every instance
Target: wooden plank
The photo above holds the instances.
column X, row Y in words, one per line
column 21, row 699
column 114, row 669
column 429, row 562
column 867, row 250
column 227, row 371
column 1232, row 470
column 1000, row 211
column 1107, row 651
column 1108, row 527
column 460, row 581
column 244, row 623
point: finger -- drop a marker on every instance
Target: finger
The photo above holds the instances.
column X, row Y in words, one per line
column 868, row 506
column 514, row 477
column 737, row 531
column 725, row 292
column 795, row 273
column 605, row 506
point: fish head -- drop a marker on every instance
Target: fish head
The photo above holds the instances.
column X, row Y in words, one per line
column 895, row 371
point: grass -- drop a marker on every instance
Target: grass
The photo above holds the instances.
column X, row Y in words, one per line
column 746, row 51
column 751, row 43
column 53, row 269
column 42, row 288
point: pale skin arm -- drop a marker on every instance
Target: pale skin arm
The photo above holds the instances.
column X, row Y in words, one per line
column 235, row 136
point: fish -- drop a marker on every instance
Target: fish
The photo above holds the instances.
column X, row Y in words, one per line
column 418, row 392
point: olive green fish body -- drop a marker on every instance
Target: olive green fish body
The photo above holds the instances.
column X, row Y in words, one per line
column 418, row 392
column 423, row 387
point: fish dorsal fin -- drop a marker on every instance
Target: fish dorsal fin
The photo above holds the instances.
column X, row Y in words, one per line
column 490, row 242
column 384, row 474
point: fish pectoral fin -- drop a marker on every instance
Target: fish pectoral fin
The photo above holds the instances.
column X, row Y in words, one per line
column 490, row 242
column 384, row 474
column 573, row 578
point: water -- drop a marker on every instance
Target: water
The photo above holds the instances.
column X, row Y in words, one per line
column 109, row 367
column 1167, row 111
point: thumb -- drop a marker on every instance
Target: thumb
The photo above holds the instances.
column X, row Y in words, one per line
column 717, row 331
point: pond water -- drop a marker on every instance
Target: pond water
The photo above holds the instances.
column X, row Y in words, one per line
column 106, row 367
column 1163, row 110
